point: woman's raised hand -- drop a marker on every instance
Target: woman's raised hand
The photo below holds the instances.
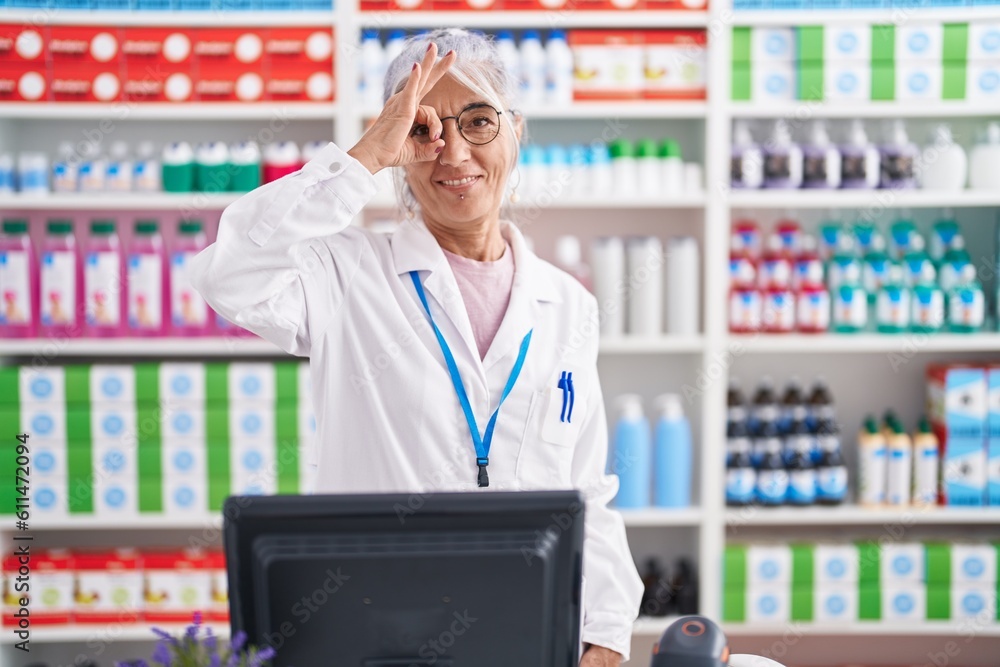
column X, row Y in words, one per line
column 388, row 142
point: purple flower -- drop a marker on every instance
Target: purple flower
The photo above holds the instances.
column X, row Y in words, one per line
column 211, row 642
column 161, row 653
column 215, row 660
column 191, row 632
column 162, row 634
column 262, row 656
column 197, row 618
column 239, row 639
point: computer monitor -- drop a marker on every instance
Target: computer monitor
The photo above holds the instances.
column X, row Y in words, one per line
column 489, row 579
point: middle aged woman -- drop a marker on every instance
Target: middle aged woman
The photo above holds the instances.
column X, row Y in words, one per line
column 445, row 356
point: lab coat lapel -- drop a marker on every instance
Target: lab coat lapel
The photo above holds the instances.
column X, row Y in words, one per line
column 414, row 248
column 532, row 289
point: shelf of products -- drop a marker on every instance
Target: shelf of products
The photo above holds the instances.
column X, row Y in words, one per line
column 185, row 111
column 865, row 343
column 230, row 16
column 657, row 518
column 808, row 109
column 570, row 18
column 81, row 634
column 127, row 201
column 861, row 516
column 863, row 199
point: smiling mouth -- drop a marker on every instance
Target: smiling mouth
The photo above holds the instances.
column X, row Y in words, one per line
column 457, row 183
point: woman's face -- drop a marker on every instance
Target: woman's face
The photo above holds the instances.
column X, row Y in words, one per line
column 465, row 184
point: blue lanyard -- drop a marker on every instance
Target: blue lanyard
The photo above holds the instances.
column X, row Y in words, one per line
column 483, row 443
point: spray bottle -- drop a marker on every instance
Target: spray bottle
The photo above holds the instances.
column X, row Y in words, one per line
column 900, row 465
column 633, row 454
column 672, row 471
column 926, row 465
column 872, row 456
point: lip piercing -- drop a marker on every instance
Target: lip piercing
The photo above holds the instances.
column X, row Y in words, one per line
column 461, row 196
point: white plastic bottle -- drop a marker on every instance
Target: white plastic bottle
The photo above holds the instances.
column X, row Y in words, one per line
column 607, row 261
column 943, row 165
column 65, row 172
column 683, row 282
column 569, row 257
column 984, row 161
column 394, row 45
column 821, row 160
column 372, row 59
column 644, row 259
column 7, row 179
column 859, row 164
column 671, row 168
column 33, row 172
column 93, row 169
column 509, row 54
column 782, row 159
column 532, row 70
column 648, row 170
column 900, row 467
column 625, row 172
column 747, row 160
column 120, row 170
column 146, row 172
column 872, row 457
column 559, row 70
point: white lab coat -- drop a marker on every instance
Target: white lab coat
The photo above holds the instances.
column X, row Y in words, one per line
column 288, row 266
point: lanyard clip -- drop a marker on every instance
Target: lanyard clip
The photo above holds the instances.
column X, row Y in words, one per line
column 484, row 477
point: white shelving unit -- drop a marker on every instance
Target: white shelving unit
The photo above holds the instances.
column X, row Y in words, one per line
column 710, row 356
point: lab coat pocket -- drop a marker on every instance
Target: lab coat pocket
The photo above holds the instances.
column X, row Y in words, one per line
column 561, row 417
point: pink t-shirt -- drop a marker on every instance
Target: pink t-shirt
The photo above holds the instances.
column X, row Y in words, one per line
column 485, row 288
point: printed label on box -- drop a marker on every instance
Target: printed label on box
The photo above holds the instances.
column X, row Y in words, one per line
column 253, row 468
column 835, row 604
column 108, row 587
column 904, row 603
column 983, row 81
column 608, row 64
column 176, row 586
column 114, row 423
column 845, row 81
column 184, row 496
column 20, row 44
column 84, row 45
column 974, row 603
column 227, row 84
column 769, row 564
column 847, row 42
column 902, row 562
column 836, row 563
column 919, row 41
column 772, row 45
column 773, row 82
column 252, row 422
column 973, row 564
column 768, row 603
column 115, row 497
column 183, row 382
column 114, row 383
column 49, row 496
column 299, row 47
column 229, row 47
column 113, row 461
column 150, row 47
column 676, row 64
column 298, row 84
column 42, row 385
column 184, row 422
column 74, row 83
column 43, row 422
column 48, row 460
column 50, row 592
column 984, row 40
column 918, row 81
column 251, row 381
column 18, row 85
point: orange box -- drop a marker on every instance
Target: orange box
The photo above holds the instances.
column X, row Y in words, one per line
column 84, row 45
column 299, row 84
column 676, row 64
column 229, row 84
column 286, row 47
column 232, row 47
column 608, row 64
column 108, row 587
column 176, row 584
column 86, row 83
column 164, row 84
column 44, row 580
column 23, row 44
column 24, row 82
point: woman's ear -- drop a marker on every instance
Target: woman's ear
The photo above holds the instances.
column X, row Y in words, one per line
column 518, row 126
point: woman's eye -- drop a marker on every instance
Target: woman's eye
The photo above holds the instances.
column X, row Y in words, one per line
column 419, row 131
column 481, row 121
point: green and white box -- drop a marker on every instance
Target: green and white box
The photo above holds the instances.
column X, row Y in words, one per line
column 252, row 463
column 183, row 421
column 847, row 42
column 44, row 422
column 919, row 80
column 185, row 477
column 48, row 460
column 182, row 382
column 768, row 45
column 974, row 603
column 113, row 497
column 769, row 564
column 251, row 421
column 251, row 381
column 919, row 41
column 847, row 81
column 774, row 82
column 112, row 383
column 115, row 422
column 42, row 385
column 902, row 563
column 768, row 603
column 836, row 565
column 49, row 497
column 984, row 40
column 973, row 564
column 904, row 602
column 983, row 83
column 835, row 603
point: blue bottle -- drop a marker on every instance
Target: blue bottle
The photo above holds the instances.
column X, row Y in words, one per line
column 633, row 460
column 672, row 454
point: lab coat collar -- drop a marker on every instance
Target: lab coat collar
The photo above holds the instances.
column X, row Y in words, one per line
column 414, row 248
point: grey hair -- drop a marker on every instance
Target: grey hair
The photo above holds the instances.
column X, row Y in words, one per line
column 478, row 67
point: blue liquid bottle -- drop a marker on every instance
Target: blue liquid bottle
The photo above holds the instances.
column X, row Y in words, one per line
column 632, row 460
column 672, row 458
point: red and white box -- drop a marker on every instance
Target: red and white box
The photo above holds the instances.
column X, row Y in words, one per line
column 467, row 5
column 229, row 84
column 167, row 85
column 231, row 47
column 86, row 83
column 23, row 44
column 45, row 583
column 159, row 64
column 176, row 585
column 395, row 5
column 108, row 587
column 84, row 45
column 676, row 5
column 305, row 47
column 23, row 83
column 676, row 63
column 218, row 609
column 608, row 64
column 298, row 84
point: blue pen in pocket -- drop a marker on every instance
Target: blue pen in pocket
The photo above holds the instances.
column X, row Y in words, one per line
column 563, row 384
column 572, row 396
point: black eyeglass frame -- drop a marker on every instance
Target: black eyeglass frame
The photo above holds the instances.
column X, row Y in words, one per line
column 477, row 105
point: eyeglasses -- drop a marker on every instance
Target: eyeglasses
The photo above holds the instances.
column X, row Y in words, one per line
column 479, row 124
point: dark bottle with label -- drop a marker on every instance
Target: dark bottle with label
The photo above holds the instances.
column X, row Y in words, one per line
column 820, row 403
column 792, row 399
column 657, row 597
column 831, row 474
column 741, row 478
column 764, row 400
column 685, row 587
column 772, row 478
column 799, row 461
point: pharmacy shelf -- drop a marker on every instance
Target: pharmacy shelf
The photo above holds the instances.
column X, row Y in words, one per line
column 118, row 632
column 858, row 516
column 386, row 200
column 875, row 16
column 806, row 110
column 604, row 111
column 905, row 344
column 219, row 18
column 191, row 111
column 189, row 202
column 801, row 199
column 656, row 345
column 138, row 522
column 557, row 18
column 662, row 518
column 234, row 346
column 877, row 628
